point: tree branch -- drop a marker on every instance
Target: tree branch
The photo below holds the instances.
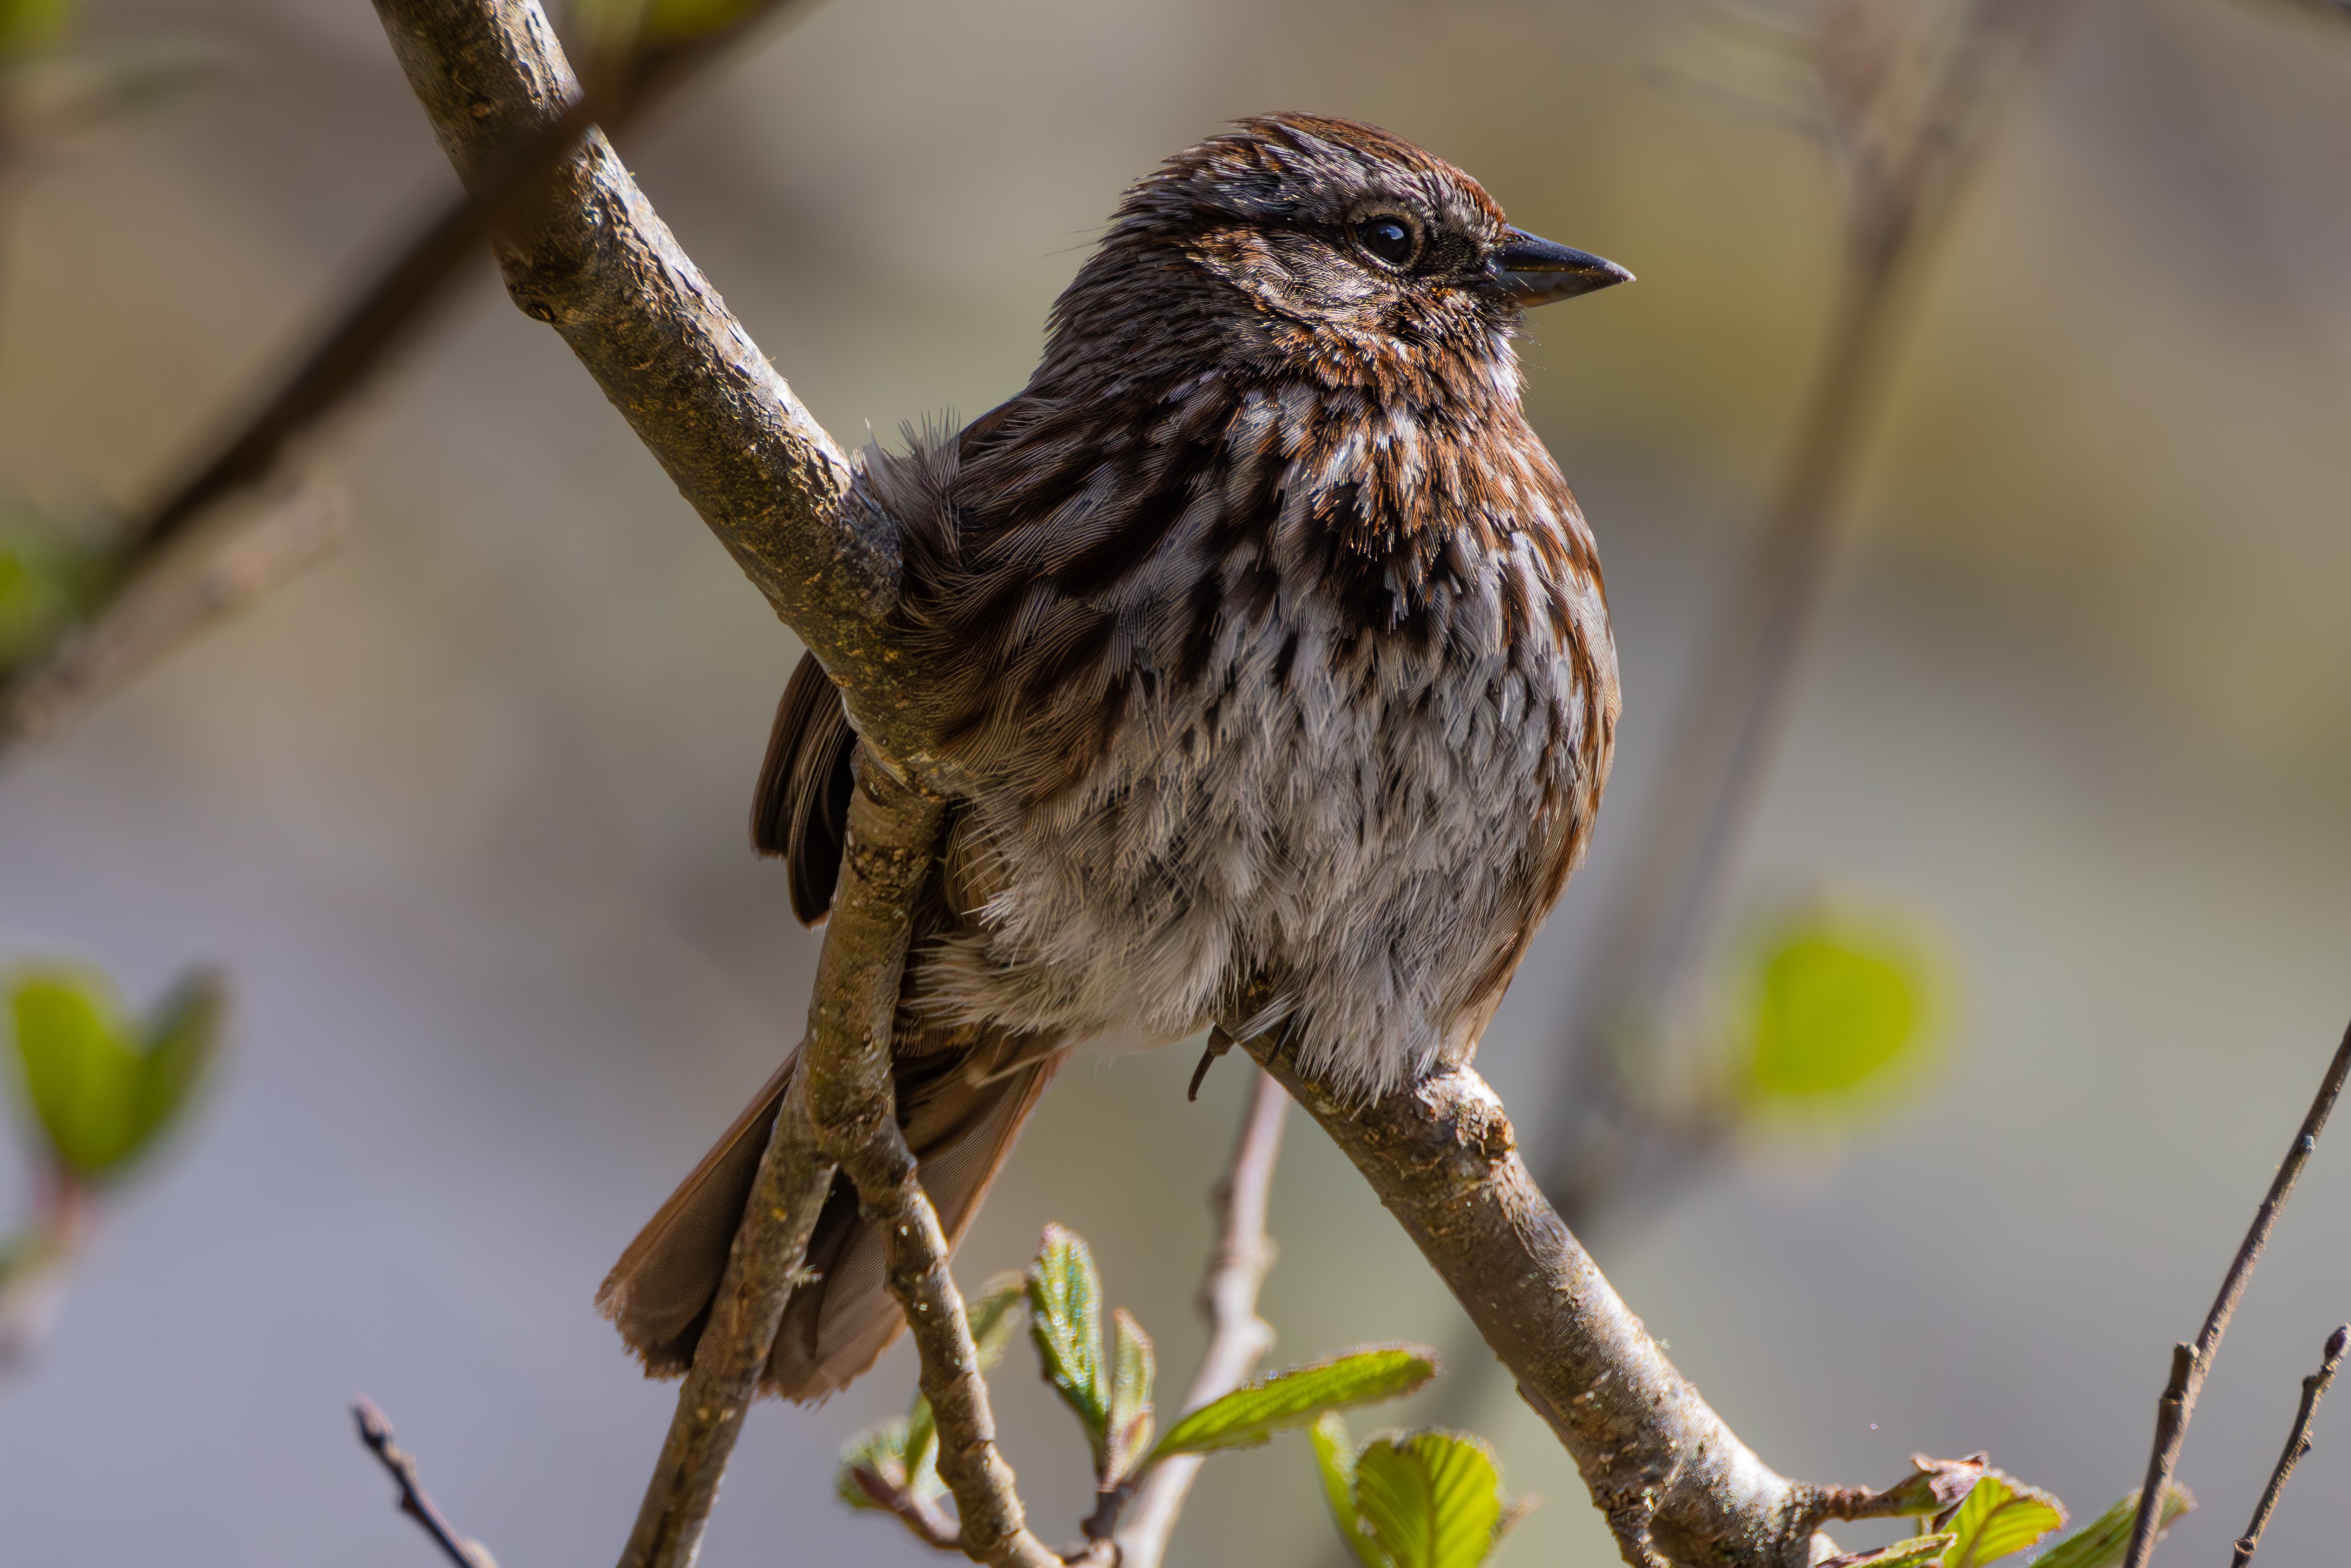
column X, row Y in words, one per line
column 2191, row 1362
column 2297, row 1443
column 1677, row 1486
column 893, row 832
column 376, row 1433
column 767, row 1256
column 1238, row 1338
column 601, row 268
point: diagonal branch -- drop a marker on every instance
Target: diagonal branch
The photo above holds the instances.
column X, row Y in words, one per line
column 1676, row 1484
column 2297, row 1444
column 166, row 600
column 376, row 1433
column 2191, row 1362
column 1238, row 1337
column 602, row 269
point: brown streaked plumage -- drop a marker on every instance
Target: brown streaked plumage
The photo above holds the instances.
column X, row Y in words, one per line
column 1274, row 652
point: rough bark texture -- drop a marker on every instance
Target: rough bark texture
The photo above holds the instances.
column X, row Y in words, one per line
column 717, row 1392
column 893, row 832
column 600, row 268
column 1676, row 1484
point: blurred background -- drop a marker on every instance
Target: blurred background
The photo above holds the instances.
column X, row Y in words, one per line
column 460, row 812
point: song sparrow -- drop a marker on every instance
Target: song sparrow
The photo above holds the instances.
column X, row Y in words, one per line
column 1275, row 660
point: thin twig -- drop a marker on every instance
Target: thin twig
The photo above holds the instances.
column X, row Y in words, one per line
column 2297, row 1443
column 166, row 603
column 376, row 1433
column 2191, row 1364
column 35, row 1262
column 1238, row 1338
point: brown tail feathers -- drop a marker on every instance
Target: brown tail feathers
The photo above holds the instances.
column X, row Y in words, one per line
column 961, row 1108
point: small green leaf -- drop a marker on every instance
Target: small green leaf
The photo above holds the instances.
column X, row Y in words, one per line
column 1252, row 1415
column 2102, row 1542
column 29, row 26
column 2000, row 1516
column 1837, row 1005
column 1127, row 1436
column 1430, row 1499
column 1065, row 1320
column 920, row 1464
column 104, row 1089
column 1916, row 1552
column 51, row 576
column 873, row 1466
column 995, row 1316
column 1334, row 1458
column 1933, row 1485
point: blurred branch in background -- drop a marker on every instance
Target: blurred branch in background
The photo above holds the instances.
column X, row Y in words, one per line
column 376, row 1433
column 1238, row 1338
column 639, row 54
column 99, row 1094
column 2191, row 1364
column 1907, row 98
column 2297, row 1444
column 148, row 612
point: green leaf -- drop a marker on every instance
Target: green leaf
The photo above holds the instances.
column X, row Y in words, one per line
column 1915, row 1553
column 919, row 1468
column 51, row 576
column 1252, row 1415
column 1430, row 1499
column 1127, row 1436
column 29, row 26
column 995, row 1316
column 1334, row 1458
column 872, row 1464
column 2102, row 1542
column 1065, row 1307
column 2001, row 1515
column 102, row 1088
column 1839, row 1003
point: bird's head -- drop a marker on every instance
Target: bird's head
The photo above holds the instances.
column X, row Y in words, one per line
column 1328, row 240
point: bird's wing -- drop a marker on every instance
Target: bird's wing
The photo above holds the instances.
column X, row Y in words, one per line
column 800, row 810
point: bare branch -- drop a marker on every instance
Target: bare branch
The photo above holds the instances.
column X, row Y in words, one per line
column 603, row 269
column 768, row 1254
column 376, row 1433
column 1676, row 1484
column 1238, row 1338
column 2297, row 1443
column 167, row 601
column 2191, row 1362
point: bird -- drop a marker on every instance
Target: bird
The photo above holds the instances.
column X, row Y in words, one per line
column 1274, row 683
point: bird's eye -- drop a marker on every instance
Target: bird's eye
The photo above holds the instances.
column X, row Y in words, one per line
column 1390, row 240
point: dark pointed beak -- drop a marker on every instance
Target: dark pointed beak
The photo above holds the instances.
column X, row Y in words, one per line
column 1538, row 272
